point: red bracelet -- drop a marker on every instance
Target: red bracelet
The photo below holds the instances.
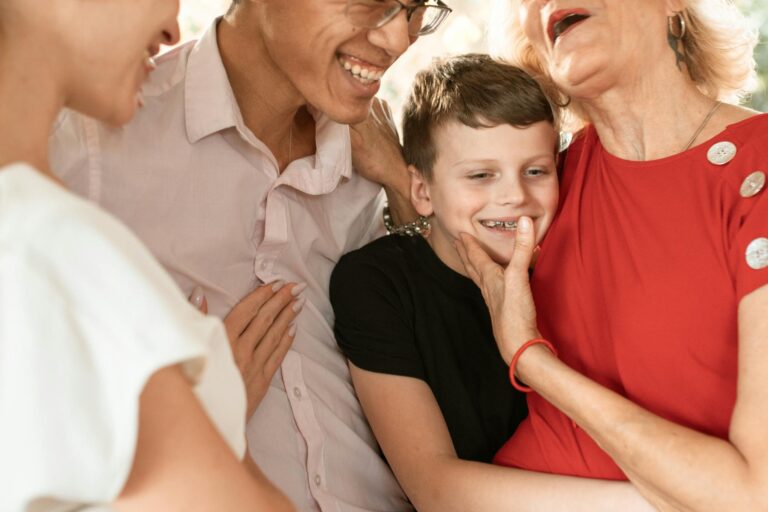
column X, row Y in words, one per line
column 516, row 357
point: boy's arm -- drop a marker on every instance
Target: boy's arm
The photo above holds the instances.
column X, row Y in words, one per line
column 410, row 428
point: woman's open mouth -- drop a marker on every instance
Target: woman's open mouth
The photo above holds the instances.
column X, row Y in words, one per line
column 562, row 21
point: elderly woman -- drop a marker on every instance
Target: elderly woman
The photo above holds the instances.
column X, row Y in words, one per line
column 650, row 355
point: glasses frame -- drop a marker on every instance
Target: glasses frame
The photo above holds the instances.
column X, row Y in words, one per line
column 409, row 10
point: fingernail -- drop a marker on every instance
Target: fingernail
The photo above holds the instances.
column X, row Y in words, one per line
column 298, row 289
column 277, row 285
column 299, row 304
column 524, row 225
column 292, row 330
column 197, row 297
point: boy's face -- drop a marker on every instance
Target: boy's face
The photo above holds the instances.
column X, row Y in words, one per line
column 483, row 180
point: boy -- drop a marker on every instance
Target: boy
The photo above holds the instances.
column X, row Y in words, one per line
column 480, row 140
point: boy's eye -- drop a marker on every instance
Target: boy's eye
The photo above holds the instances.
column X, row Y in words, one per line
column 479, row 175
column 534, row 171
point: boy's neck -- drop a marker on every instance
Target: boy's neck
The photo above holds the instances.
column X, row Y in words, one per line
column 446, row 252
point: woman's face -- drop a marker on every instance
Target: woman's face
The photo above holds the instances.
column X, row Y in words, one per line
column 104, row 49
column 590, row 46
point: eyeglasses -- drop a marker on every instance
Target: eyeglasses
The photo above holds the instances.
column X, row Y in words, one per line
column 423, row 17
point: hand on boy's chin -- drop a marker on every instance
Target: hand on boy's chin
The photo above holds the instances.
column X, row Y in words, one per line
column 503, row 258
column 498, row 256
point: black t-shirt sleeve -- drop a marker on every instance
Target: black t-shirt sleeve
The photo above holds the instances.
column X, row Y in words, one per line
column 373, row 321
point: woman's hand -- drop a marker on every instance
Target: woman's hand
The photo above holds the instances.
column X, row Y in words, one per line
column 507, row 292
column 261, row 329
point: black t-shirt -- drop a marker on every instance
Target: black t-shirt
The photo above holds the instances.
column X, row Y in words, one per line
column 400, row 310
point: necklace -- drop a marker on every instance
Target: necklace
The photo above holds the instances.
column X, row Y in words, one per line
column 290, row 143
column 702, row 125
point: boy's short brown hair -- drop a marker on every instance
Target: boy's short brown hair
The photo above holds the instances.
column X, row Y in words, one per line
column 474, row 90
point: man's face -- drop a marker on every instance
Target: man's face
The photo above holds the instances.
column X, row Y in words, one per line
column 483, row 181
column 335, row 66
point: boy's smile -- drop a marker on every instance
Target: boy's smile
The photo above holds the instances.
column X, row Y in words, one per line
column 483, row 181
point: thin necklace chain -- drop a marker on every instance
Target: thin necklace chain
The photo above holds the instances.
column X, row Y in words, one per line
column 702, row 125
column 290, row 143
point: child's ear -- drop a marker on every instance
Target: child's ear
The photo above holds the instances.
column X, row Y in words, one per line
column 420, row 192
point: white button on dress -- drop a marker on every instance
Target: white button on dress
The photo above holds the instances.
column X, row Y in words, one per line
column 752, row 184
column 721, row 153
column 757, row 253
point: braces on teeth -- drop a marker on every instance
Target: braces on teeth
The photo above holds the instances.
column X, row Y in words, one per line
column 510, row 224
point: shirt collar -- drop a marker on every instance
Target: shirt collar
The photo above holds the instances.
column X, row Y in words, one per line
column 211, row 107
column 209, row 101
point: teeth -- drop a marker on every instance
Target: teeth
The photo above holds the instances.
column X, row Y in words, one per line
column 363, row 75
column 500, row 224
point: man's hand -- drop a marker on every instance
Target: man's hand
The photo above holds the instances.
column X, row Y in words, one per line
column 376, row 151
column 378, row 156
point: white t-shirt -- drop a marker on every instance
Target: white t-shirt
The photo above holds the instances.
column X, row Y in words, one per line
column 86, row 317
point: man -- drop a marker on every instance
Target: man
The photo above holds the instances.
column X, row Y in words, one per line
column 237, row 172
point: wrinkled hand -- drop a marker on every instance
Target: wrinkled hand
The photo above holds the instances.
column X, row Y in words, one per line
column 376, row 151
column 507, row 292
column 261, row 329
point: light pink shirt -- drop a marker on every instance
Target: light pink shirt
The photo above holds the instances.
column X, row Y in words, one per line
column 205, row 195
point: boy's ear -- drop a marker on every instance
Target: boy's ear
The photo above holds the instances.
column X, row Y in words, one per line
column 420, row 192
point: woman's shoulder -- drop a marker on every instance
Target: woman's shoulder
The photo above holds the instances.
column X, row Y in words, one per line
column 86, row 311
column 91, row 260
column 747, row 126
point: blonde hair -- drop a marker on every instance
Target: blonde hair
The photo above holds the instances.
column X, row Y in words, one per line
column 718, row 44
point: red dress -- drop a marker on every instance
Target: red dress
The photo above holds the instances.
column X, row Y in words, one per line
column 638, row 284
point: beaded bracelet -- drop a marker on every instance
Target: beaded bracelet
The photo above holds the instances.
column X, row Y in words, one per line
column 420, row 226
column 516, row 357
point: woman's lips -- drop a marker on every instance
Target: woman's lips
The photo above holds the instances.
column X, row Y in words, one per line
column 561, row 21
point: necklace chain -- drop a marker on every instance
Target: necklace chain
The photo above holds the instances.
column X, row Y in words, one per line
column 290, row 143
column 702, row 125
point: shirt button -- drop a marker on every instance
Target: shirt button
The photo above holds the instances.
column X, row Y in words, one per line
column 752, row 184
column 297, row 392
column 757, row 253
column 721, row 153
column 318, row 480
column 264, row 264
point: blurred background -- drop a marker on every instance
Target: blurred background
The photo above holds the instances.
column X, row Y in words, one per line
column 464, row 31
